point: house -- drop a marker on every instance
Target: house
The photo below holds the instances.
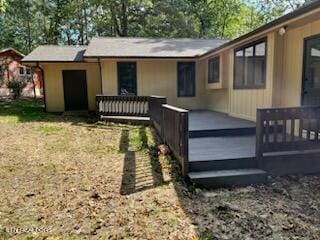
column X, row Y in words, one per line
column 250, row 82
column 263, row 68
column 11, row 68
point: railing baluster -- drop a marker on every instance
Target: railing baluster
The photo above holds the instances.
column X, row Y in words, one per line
column 317, row 124
column 292, row 132
column 309, row 117
column 284, row 126
column 122, row 105
column 267, row 130
column 301, row 129
column 275, row 127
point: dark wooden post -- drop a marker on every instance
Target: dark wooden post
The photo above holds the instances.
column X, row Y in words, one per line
column 184, row 129
column 162, row 127
column 98, row 99
column 259, row 137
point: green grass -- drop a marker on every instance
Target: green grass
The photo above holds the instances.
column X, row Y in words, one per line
column 49, row 129
column 139, row 139
column 23, row 111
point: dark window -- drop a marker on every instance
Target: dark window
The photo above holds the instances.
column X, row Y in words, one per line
column 214, row 70
column 250, row 66
column 21, row 70
column 28, row 71
column 127, row 78
column 186, row 79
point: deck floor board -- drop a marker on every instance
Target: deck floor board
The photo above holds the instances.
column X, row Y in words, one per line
column 209, row 120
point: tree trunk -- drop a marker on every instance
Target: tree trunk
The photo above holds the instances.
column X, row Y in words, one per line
column 124, row 18
column 115, row 22
column 29, row 27
column 85, row 21
column 44, row 22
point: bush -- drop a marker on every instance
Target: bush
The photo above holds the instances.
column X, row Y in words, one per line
column 16, row 86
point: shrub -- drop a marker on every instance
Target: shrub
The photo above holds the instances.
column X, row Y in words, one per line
column 16, row 86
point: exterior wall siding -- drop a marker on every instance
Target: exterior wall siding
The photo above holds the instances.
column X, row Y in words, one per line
column 218, row 96
column 293, row 51
column 242, row 103
column 284, row 74
column 54, row 84
column 157, row 77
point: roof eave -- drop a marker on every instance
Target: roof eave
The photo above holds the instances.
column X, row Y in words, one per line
column 142, row 57
column 51, row 61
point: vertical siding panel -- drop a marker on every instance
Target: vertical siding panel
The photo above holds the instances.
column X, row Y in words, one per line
column 293, row 62
column 54, row 84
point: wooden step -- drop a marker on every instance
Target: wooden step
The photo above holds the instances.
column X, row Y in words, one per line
column 222, row 164
column 221, row 148
column 222, row 132
column 127, row 119
column 228, row 178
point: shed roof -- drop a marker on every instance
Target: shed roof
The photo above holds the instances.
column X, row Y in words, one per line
column 2, row 51
column 150, row 47
column 55, row 53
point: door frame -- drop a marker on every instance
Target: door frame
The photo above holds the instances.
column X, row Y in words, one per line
column 64, row 90
column 304, row 55
column 136, row 76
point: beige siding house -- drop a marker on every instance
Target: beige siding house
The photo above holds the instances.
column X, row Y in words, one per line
column 275, row 65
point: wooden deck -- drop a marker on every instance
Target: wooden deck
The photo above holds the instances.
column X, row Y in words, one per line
column 216, row 150
column 214, row 124
column 222, row 150
column 216, row 136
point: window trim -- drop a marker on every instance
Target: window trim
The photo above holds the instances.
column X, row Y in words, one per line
column 194, row 75
column 243, row 47
column 219, row 69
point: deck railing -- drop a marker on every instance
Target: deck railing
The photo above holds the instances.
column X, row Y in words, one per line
column 170, row 122
column 287, row 129
column 155, row 111
column 174, row 132
column 123, row 105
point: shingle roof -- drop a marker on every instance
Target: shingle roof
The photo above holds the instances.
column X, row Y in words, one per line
column 55, row 53
column 150, row 47
column 13, row 50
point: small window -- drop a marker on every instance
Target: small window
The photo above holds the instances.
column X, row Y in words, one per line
column 28, row 71
column 186, row 79
column 214, row 70
column 250, row 66
column 21, row 70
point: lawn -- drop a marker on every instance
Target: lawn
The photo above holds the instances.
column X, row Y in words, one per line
column 78, row 178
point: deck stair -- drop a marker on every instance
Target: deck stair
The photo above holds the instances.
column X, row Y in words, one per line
column 222, row 151
column 228, row 178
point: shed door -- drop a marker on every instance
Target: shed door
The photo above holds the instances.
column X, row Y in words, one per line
column 75, row 90
column 311, row 78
